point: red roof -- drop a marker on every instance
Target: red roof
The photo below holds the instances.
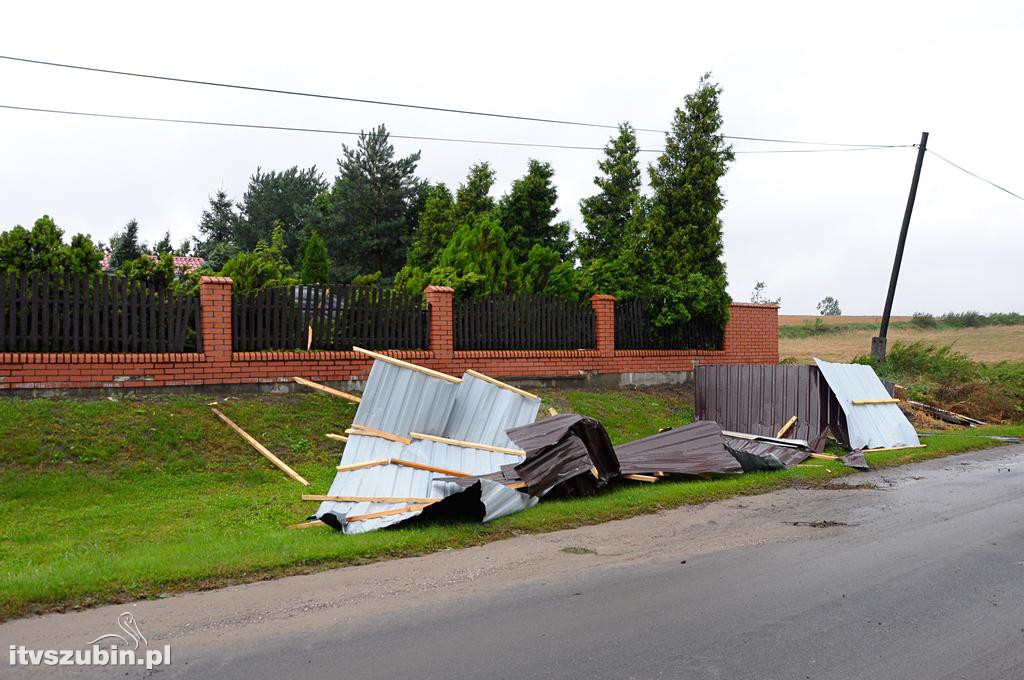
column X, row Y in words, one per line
column 182, row 264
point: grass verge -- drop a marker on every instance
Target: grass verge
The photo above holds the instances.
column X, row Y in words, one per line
column 108, row 501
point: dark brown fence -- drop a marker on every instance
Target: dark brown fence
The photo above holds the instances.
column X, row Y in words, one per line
column 634, row 330
column 328, row 317
column 523, row 322
column 57, row 312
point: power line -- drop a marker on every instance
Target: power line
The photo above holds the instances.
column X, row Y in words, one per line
column 377, row 102
column 975, row 175
column 457, row 140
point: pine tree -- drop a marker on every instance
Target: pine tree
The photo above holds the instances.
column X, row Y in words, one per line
column 125, row 245
column 608, row 213
column 527, row 213
column 286, row 198
column 163, row 246
column 316, row 265
column 434, row 230
column 684, row 231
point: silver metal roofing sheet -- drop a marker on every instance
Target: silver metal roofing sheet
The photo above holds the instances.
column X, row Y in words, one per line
column 483, row 411
column 400, row 400
column 499, row 500
column 869, row 426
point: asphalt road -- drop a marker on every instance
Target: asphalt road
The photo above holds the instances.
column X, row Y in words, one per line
column 920, row 577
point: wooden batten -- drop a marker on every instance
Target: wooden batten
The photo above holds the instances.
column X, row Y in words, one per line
column 307, row 525
column 641, row 478
column 327, row 390
column 386, row 513
column 365, row 499
column 894, row 448
column 498, row 383
column 281, row 465
column 785, row 428
column 405, row 364
column 336, row 437
column 360, row 466
column 865, row 402
column 468, row 445
column 371, row 432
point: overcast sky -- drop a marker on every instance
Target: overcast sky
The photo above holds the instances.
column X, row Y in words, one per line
column 808, row 224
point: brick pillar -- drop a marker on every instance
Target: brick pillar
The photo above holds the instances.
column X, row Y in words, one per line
column 215, row 316
column 604, row 323
column 442, row 340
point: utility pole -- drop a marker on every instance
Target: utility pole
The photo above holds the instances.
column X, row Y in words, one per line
column 878, row 344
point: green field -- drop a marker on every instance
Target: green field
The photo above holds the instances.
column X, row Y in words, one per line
column 110, row 500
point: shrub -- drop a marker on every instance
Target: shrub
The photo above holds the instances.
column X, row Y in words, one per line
column 970, row 319
column 923, row 320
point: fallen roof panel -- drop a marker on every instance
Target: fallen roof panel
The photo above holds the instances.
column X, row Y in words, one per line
column 555, row 464
column 694, row 449
column 755, row 455
column 400, row 400
column 760, row 399
column 482, row 411
column 548, row 432
column 868, row 426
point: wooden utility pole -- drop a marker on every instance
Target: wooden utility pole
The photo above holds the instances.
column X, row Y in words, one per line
column 878, row 344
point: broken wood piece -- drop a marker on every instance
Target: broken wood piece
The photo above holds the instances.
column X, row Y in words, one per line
column 281, row 465
column 863, row 402
column 309, row 338
column 306, row 525
column 405, row 364
column 468, row 445
column 429, row 468
column 336, row 437
column 593, row 471
column 516, row 485
column 552, row 412
column 360, row 466
column 365, row 499
column 327, row 390
column 659, row 473
column 386, row 513
column 785, row 428
column 498, row 383
column 824, row 456
column 371, row 432
column 641, row 478
column 911, row 445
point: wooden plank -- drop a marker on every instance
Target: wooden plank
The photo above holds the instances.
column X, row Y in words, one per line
column 552, row 412
column 894, row 448
column 327, row 390
column 641, row 478
column 498, row 383
column 262, row 449
column 367, row 464
column 307, row 525
column 516, row 485
column 365, row 499
column 396, row 511
column 405, row 364
column 430, row 468
column 863, row 402
column 785, row 428
column 371, row 432
column 336, row 437
column 468, row 445
column 824, row 456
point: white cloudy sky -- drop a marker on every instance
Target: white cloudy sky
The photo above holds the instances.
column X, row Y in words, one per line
column 809, row 225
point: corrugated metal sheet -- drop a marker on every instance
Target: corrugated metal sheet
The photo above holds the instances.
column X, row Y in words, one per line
column 867, row 425
column 755, row 456
column 548, row 432
column 558, row 463
column 694, row 449
column 483, row 411
column 760, row 399
column 400, row 400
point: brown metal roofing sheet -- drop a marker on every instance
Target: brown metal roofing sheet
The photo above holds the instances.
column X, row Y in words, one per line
column 760, row 398
column 556, row 464
column 694, row 449
column 534, row 437
column 756, row 455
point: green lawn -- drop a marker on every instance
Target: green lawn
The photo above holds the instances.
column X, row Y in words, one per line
column 107, row 501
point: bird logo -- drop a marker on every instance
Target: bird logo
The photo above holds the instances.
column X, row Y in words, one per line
column 126, row 622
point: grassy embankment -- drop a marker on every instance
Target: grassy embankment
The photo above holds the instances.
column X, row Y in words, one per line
column 106, row 500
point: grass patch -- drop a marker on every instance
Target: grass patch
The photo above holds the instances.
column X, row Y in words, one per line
column 102, row 505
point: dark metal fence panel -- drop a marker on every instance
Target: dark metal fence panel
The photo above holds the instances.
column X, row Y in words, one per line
column 328, row 317
column 525, row 322
column 61, row 312
column 634, row 330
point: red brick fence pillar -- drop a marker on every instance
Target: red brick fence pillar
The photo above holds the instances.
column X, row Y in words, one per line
column 604, row 324
column 442, row 320
column 215, row 317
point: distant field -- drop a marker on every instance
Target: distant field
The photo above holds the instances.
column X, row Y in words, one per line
column 987, row 344
column 797, row 319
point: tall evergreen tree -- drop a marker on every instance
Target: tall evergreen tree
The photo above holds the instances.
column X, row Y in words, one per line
column 125, row 246
column 527, row 213
column 164, row 246
column 366, row 219
column 474, row 195
column 316, row 265
column 435, row 228
column 278, row 197
column 608, row 213
column 684, row 229
column 217, row 228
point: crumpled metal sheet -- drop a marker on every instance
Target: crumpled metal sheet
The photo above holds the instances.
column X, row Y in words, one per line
column 483, row 411
column 760, row 399
column 856, row 460
column 694, row 449
column 758, row 456
column 535, row 437
column 400, row 400
column 867, row 426
column 558, row 463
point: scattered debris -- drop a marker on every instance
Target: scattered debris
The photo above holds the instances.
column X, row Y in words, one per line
column 695, row 449
column 758, row 456
column 575, row 550
column 821, row 524
column 946, row 416
column 856, row 460
column 262, row 449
